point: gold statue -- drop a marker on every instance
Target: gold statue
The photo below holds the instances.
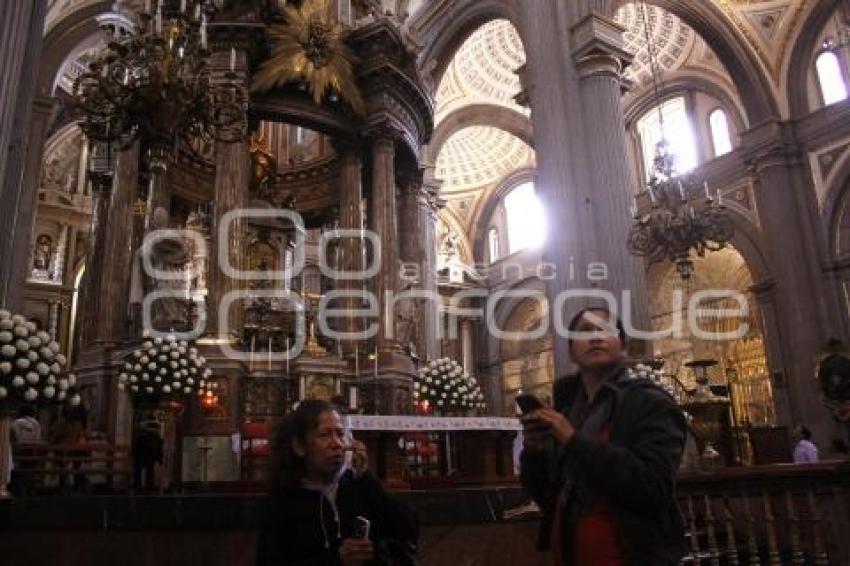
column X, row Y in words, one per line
column 263, row 164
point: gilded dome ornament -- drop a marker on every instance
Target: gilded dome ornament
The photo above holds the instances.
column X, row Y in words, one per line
column 310, row 47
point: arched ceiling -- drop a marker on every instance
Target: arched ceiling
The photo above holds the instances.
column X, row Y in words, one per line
column 672, row 40
column 482, row 70
column 478, row 156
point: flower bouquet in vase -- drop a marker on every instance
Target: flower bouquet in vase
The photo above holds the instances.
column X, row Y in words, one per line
column 442, row 386
column 32, row 372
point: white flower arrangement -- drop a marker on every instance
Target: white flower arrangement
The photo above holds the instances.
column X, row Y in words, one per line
column 643, row 371
column 163, row 367
column 443, row 383
column 31, row 368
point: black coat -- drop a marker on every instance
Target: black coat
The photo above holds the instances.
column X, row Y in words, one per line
column 299, row 526
column 635, row 471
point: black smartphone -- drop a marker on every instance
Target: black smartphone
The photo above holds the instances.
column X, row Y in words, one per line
column 528, row 403
column 361, row 527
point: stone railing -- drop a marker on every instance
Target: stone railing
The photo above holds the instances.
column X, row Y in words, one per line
column 772, row 515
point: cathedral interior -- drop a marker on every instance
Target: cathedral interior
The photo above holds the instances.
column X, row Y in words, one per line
column 330, row 199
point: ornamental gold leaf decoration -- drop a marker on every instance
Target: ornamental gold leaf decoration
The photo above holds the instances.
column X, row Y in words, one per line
column 310, row 47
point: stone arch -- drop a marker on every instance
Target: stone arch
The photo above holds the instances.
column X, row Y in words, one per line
column 833, row 209
column 64, row 38
column 800, row 61
column 444, row 33
column 742, row 64
column 493, row 115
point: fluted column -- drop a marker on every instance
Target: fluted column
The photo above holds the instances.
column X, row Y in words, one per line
column 429, row 205
column 600, row 62
column 350, row 218
column 30, row 170
column 93, row 278
column 562, row 178
column 21, row 27
column 232, row 171
column 118, row 248
column 418, row 248
column 804, row 308
column 384, row 224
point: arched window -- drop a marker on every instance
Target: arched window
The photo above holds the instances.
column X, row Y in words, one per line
column 831, row 81
column 720, row 137
column 526, row 221
column 493, row 242
column 677, row 132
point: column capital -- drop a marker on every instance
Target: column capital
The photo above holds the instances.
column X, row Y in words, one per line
column 597, row 35
column 771, row 144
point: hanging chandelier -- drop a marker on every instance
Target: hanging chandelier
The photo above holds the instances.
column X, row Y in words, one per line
column 154, row 84
column 673, row 226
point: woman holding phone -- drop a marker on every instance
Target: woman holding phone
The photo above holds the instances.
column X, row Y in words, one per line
column 320, row 513
column 602, row 462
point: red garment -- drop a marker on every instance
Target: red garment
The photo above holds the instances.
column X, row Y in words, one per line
column 597, row 542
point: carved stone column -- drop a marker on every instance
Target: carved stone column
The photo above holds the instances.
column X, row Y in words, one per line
column 29, row 169
column 118, row 248
column 232, row 179
column 600, row 59
column 21, row 31
column 93, row 278
column 384, row 224
column 418, row 215
column 232, row 171
column 806, row 315
column 350, row 218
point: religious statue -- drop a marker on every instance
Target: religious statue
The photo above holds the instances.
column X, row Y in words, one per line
column 263, row 165
column 42, row 253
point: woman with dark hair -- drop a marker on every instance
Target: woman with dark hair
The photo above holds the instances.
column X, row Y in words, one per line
column 320, row 513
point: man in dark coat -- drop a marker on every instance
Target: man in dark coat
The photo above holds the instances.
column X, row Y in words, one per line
column 602, row 463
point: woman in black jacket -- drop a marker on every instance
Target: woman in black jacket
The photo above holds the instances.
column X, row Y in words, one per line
column 315, row 504
column 602, row 464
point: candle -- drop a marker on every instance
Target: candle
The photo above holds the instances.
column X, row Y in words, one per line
column 719, row 197
column 197, row 11
column 232, row 59
column 126, row 76
column 204, row 32
column 182, row 6
column 302, row 388
column 269, row 365
column 707, row 193
column 253, row 346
